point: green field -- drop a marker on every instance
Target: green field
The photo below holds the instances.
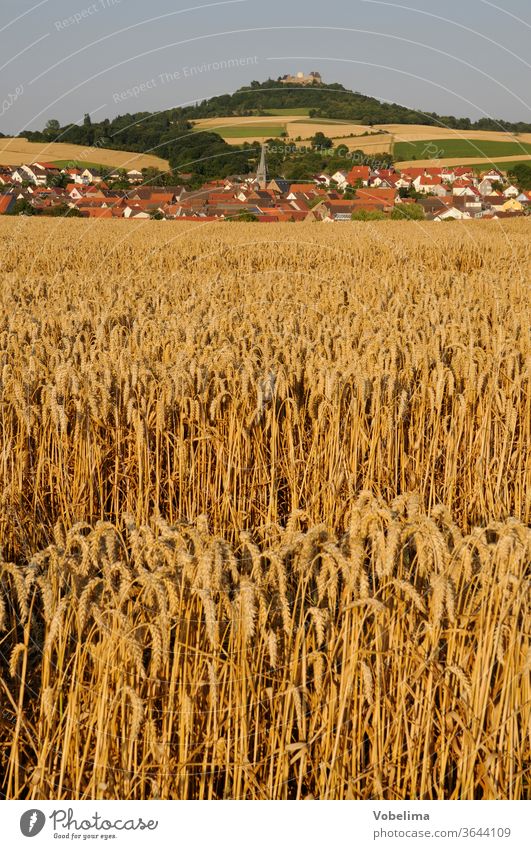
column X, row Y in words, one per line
column 79, row 163
column 502, row 166
column 454, row 148
column 287, row 111
column 266, row 131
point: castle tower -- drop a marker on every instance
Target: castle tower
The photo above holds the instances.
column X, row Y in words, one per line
column 261, row 174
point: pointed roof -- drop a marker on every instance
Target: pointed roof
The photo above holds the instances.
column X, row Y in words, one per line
column 261, row 174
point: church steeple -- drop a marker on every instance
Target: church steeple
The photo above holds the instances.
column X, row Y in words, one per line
column 261, row 174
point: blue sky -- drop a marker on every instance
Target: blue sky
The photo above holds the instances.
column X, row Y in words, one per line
column 61, row 58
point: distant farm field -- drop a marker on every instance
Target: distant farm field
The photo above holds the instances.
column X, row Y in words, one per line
column 256, row 130
column 287, row 112
column 18, row 151
column 78, row 163
column 477, row 164
column 328, row 122
column 455, row 148
column 265, row 511
column 249, row 128
column 414, row 132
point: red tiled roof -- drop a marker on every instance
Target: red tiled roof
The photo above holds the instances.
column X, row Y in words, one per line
column 303, row 188
column 358, row 172
column 430, row 181
column 5, row 203
column 96, row 212
column 386, row 196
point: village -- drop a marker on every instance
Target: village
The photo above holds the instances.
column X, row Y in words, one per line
column 436, row 193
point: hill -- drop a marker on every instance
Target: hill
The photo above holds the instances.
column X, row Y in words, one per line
column 19, row 151
column 332, row 101
column 192, row 139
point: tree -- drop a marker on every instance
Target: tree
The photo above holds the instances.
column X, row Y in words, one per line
column 243, row 216
column 62, row 210
column 321, row 142
column 52, row 129
column 22, row 207
column 86, row 120
column 368, row 215
column 521, row 175
column 408, row 192
column 408, row 212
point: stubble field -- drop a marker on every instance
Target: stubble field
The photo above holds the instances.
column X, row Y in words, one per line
column 265, row 504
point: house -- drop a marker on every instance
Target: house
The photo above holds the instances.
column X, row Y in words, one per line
column 19, row 176
column 279, row 186
column 300, row 204
column 493, row 175
column 434, row 205
column 97, row 212
column 135, row 211
column 262, row 196
column 511, row 192
column 472, row 205
column 74, row 191
column 309, row 190
column 464, row 188
column 448, row 175
column 403, row 182
column 429, row 185
column 386, row 178
column 74, row 174
column 485, row 187
column 501, row 214
column 359, row 174
column 134, row 176
column 414, row 173
column 385, row 198
column 463, row 173
column 340, row 177
column 512, row 205
column 503, row 204
column 451, row 214
column 330, row 208
column 38, row 173
column 90, row 175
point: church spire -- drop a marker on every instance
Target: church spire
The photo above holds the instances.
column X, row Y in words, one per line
column 261, row 174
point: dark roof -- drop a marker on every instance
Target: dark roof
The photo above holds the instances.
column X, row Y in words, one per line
column 283, row 185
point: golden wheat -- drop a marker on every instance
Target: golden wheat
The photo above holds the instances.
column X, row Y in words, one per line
column 265, row 503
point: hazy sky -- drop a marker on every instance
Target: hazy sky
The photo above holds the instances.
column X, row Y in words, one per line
column 460, row 57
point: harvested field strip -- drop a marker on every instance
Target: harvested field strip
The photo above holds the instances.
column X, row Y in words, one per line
column 17, row 151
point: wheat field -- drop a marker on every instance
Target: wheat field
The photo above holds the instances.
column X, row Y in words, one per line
column 265, row 506
column 20, row 151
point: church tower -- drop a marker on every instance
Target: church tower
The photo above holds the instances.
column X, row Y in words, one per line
column 261, row 174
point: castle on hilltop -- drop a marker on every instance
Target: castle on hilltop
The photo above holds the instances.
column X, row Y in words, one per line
column 301, row 79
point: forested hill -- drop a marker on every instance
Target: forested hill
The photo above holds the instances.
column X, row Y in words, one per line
column 330, row 101
column 167, row 133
